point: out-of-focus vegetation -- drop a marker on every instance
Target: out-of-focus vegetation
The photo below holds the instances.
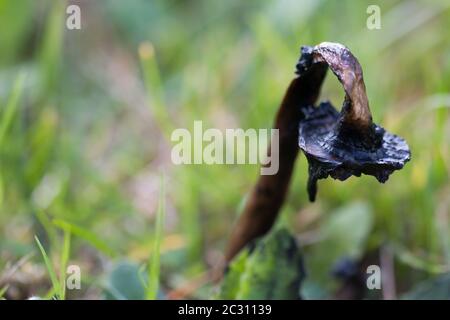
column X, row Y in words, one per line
column 272, row 268
column 85, row 123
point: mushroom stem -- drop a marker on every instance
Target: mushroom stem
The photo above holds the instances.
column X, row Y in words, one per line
column 345, row 66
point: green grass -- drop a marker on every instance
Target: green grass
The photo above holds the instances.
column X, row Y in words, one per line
column 11, row 107
column 2, row 292
column 154, row 261
column 63, row 264
column 58, row 280
column 86, row 235
column 154, row 86
column 6, row 118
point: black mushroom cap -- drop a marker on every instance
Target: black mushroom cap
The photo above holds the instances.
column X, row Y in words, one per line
column 346, row 143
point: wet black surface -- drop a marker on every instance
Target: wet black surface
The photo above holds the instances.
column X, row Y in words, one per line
column 347, row 143
column 331, row 152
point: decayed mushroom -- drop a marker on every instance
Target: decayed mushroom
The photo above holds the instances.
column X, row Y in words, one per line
column 336, row 144
column 347, row 143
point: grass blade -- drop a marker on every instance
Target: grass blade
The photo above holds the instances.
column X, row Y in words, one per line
column 154, row 87
column 46, row 223
column 2, row 190
column 86, row 235
column 64, row 261
column 48, row 264
column 51, row 46
column 154, row 263
column 3, row 291
column 7, row 117
column 11, row 106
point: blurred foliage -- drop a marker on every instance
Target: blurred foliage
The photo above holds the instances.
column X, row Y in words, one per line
column 433, row 289
column 272, row 268
column 125, row 282
column 85, row 145
column 340, row 238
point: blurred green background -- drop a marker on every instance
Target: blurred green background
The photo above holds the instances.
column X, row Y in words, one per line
column 85, row 123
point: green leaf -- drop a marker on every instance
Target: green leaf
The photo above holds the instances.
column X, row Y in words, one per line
column 273, row 269
column 48, row 264
column 231, row 284
column 347, row 229
column 64, row 261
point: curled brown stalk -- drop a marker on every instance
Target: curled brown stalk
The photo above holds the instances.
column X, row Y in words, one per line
column 336, row 144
